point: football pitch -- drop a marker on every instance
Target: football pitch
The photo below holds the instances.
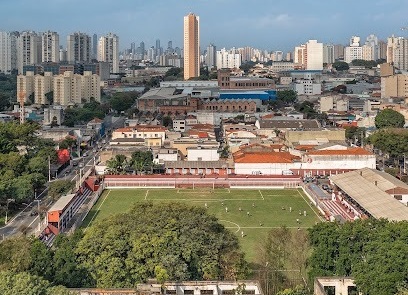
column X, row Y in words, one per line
column 247, row 212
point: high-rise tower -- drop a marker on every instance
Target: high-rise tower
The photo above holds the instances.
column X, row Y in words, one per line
column 191, row 46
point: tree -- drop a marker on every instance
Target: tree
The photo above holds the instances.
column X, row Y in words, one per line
column 15, row 255
column 41, row 260
column 389, row 118
column 167, row 121
column 142, row 161
column 184, row 241
column 390, row 141
column 341, row 66
column 374, row 252
column 298, row 290
column 64, row 260
column 25, row 284
column 281, row 250
column 289, row 97
column 123, row 101
column 59, row 187
column 117, row 164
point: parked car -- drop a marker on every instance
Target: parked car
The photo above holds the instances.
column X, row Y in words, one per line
column 325, row 187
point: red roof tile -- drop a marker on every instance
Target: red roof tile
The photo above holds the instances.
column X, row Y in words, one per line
column 348, row 152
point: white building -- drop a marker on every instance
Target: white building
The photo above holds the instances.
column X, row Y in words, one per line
column 397, row 52
column 228, row 59
column 50, row 47
column 200, row 153
column 211, row 57
column 354, row 51
column 79, row 47
column 299, row 56
column 108, row 51
column 314, row 55
column 8, row 52
column 28, row 50
column 307, row 86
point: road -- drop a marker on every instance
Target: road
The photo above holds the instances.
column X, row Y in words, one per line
column 26, row 220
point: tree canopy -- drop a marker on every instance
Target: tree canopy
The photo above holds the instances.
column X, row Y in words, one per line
column 392, row 141
column 123, row 101
column 341, row 66
column 389, row 118
column 160, row 240
column 374, row 252
column 82, row 115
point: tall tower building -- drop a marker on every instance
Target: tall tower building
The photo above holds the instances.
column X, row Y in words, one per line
column 8, row 52
column 50, row 47
column 211, row 58
column 109, row 51
column 28, row 50
column 328, row 53
column 314, row 55
column 95, row 46
column 79, row 48
column 397, row 52
column 191, row 46
column 158, row 48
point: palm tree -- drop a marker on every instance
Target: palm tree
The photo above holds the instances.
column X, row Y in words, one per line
column 117, row 164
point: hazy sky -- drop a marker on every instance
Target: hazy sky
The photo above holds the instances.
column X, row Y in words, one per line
column 265, row 24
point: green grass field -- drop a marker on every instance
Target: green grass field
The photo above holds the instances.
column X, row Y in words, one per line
column 267, row 208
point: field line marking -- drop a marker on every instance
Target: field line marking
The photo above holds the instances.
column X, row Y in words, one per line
column 99, row 208
column 236, row 225
column 261, row 194
column 147, row 192
column 308, row 203
column 260, row 227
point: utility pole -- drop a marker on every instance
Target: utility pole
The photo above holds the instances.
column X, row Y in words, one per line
column 49, row 169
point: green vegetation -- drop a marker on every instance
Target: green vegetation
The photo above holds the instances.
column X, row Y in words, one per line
column 140, row 161
column 23, row 163
column 284, row 98
column 58, row 188
column 392, row 141
column 374, row 252
column 174, row 74
column 8, row 86
column 123, row 101
column 167, row 239
column 265, row 213
column 82, row 115
column 389, row 118
column 367, row 63
column 341, row 66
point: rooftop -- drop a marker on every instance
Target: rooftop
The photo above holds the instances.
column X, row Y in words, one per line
column 62, row 203
column 366, row 187
column 347, row 152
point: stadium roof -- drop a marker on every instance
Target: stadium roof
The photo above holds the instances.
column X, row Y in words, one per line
column 62, row 203
column 367, row 187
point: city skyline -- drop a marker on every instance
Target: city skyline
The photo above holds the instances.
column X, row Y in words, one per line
column 262, row 25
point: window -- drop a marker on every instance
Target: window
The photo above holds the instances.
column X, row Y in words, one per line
column 206, row 292
column 188, row 292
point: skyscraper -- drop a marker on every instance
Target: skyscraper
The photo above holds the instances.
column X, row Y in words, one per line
column 314, row 55
column 328, row 53
column 79, row 48
column 157, row 48
column 109, row 51
column 95, row 46
column 191, row 46
column 211, row 57
column 8, row 52
column 28, row 50
column 50, row 47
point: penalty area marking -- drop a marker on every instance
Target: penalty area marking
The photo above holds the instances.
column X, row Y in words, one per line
column 147, row 192
column 236, row 225
column 99, row 208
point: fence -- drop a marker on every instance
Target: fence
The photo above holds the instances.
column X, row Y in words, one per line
column 202, row 183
